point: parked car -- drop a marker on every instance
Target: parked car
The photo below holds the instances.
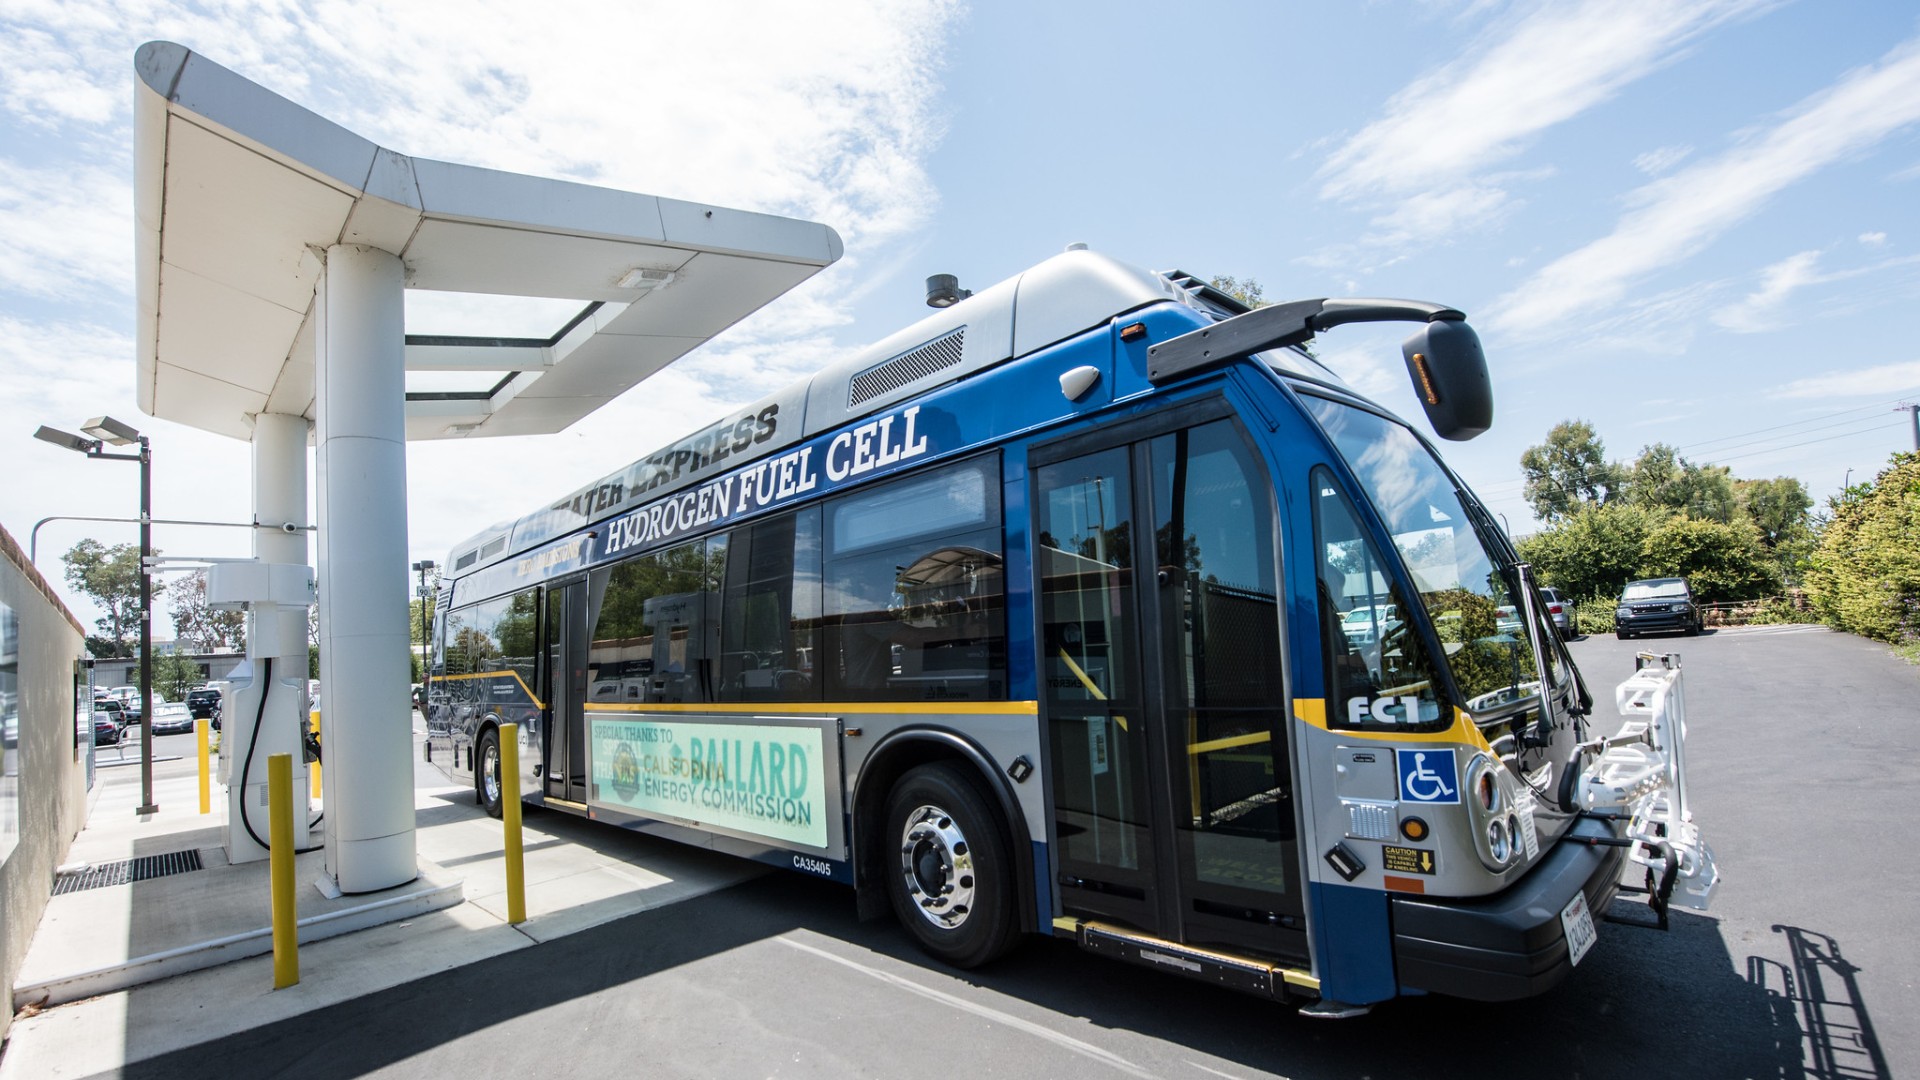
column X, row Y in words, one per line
column 1364, row 624
column 204, row 703
column 171, row 718
column 1553, row 604
column 113, row 708
column 106, row 729
column 1656, row 604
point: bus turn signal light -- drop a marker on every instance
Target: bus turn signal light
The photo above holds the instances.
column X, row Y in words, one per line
column 1133, row 331
column 1413, row 828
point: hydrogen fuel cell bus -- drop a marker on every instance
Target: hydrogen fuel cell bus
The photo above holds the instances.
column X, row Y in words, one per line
column 1091, row 605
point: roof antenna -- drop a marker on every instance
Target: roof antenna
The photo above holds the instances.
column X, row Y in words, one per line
column 944, row 291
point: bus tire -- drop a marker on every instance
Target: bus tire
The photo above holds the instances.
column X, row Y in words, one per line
column 486, row 772
column 951, row 881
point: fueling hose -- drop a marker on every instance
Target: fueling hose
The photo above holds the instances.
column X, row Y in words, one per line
column 246, row 768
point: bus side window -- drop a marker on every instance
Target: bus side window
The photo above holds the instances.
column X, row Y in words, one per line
column 770, row 605
column 654, row 633
column 913, row 599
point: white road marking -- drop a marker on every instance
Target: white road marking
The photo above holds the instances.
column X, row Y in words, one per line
column 1068, row 1042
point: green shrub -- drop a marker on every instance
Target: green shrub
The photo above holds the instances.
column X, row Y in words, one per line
column 1865, row 576
column 1594, row 615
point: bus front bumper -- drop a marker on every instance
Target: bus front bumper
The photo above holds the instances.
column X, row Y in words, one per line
column 1509, row 945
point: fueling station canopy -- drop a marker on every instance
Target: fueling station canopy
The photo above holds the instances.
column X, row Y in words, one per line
column 239, row 193
column 274, row 249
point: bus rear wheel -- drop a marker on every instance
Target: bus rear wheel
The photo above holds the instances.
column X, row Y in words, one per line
column 951, row 882
column 486, row 772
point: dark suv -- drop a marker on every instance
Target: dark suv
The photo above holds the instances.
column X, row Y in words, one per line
column 204, row 703
column 1656, row 604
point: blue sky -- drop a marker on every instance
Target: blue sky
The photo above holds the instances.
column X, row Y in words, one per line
column 1690, row 223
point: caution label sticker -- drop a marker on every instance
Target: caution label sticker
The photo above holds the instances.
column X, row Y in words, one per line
column 1407, row 860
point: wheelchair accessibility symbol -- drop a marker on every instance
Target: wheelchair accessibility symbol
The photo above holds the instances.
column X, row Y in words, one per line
column 1428, row 776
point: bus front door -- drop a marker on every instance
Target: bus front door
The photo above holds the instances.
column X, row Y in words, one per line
column 566, row 751
column 1161, row 689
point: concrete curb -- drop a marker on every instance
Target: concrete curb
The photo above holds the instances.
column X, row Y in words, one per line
column 145, row 969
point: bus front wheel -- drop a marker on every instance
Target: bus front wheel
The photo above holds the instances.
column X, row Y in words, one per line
column 486, row 772
column 951, row 882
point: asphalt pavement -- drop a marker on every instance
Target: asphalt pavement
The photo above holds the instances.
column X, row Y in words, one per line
column 1801, row 745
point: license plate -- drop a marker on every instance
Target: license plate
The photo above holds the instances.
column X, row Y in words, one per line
column 1577, row 921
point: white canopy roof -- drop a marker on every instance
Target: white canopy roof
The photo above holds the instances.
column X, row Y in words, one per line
column 236, row 188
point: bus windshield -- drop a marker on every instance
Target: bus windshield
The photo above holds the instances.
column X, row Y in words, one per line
column 1461, row 584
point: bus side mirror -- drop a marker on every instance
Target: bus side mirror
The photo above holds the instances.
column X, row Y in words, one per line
column 1449, row 373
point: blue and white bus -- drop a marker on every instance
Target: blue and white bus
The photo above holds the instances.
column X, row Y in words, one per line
column 1037, row 617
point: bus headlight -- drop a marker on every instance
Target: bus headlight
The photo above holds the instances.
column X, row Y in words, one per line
column 1492, row 791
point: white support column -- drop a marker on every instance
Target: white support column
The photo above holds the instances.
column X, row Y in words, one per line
column 361, row 459
column 276, row 632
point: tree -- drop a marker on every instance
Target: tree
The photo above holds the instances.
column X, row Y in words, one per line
column 110, row 577
column 1783, row 512
column 1662, row 480
column 1593, row 552
column 173, row 676
column 1247, row 292
column 1865, row 576
column 1567, row 470
column 198, row 625
column 1721, row 562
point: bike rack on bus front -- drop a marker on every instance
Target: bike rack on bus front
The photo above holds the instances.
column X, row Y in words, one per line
column 1641, row 774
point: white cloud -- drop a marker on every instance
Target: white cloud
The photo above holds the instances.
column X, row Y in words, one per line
column 1655, row 162
column 1883, row 380
column 1874, row 239
column 817, row 111
column 64, row 228
column 1674, row 217
column 1444, row 130
column 1760, row 310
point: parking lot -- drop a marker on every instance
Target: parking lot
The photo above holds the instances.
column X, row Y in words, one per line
column 1798, row 739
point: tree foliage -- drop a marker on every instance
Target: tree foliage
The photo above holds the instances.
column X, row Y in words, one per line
column 1594, row 551
column 1722, row 562
column 1661, row 479
column 1568, row 470
column 1246, row 291
column 173, row 676
column 198, row 626
column 110, row 577
column 1865, row 575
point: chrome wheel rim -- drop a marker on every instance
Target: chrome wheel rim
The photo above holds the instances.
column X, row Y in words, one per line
column 490, row 771
column 936, row 863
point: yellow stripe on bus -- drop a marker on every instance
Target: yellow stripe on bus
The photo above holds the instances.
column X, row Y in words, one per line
column 1313, row 712
column 932, row 708
column 537, row 703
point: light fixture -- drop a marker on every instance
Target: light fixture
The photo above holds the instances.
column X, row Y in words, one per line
column 642, row 278
column 107, row 429
column 65, row 439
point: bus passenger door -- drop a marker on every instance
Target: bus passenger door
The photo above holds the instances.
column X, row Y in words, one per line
column 566, row 751
column 1161, row 690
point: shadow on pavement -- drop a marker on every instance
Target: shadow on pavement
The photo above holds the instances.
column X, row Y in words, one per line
column 1642, row 1004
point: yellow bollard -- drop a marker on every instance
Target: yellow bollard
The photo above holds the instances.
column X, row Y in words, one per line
column 510, row 818
column 316, row 765
column 206, row 772
column 286, row 930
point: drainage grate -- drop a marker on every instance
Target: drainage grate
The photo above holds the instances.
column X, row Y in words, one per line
column 132, row 870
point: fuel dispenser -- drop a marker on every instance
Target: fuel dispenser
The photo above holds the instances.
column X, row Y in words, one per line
column 265, row 705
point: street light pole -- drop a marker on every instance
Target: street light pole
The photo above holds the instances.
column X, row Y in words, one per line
column 105, row 429
column 147, row 805
column 423, row 567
